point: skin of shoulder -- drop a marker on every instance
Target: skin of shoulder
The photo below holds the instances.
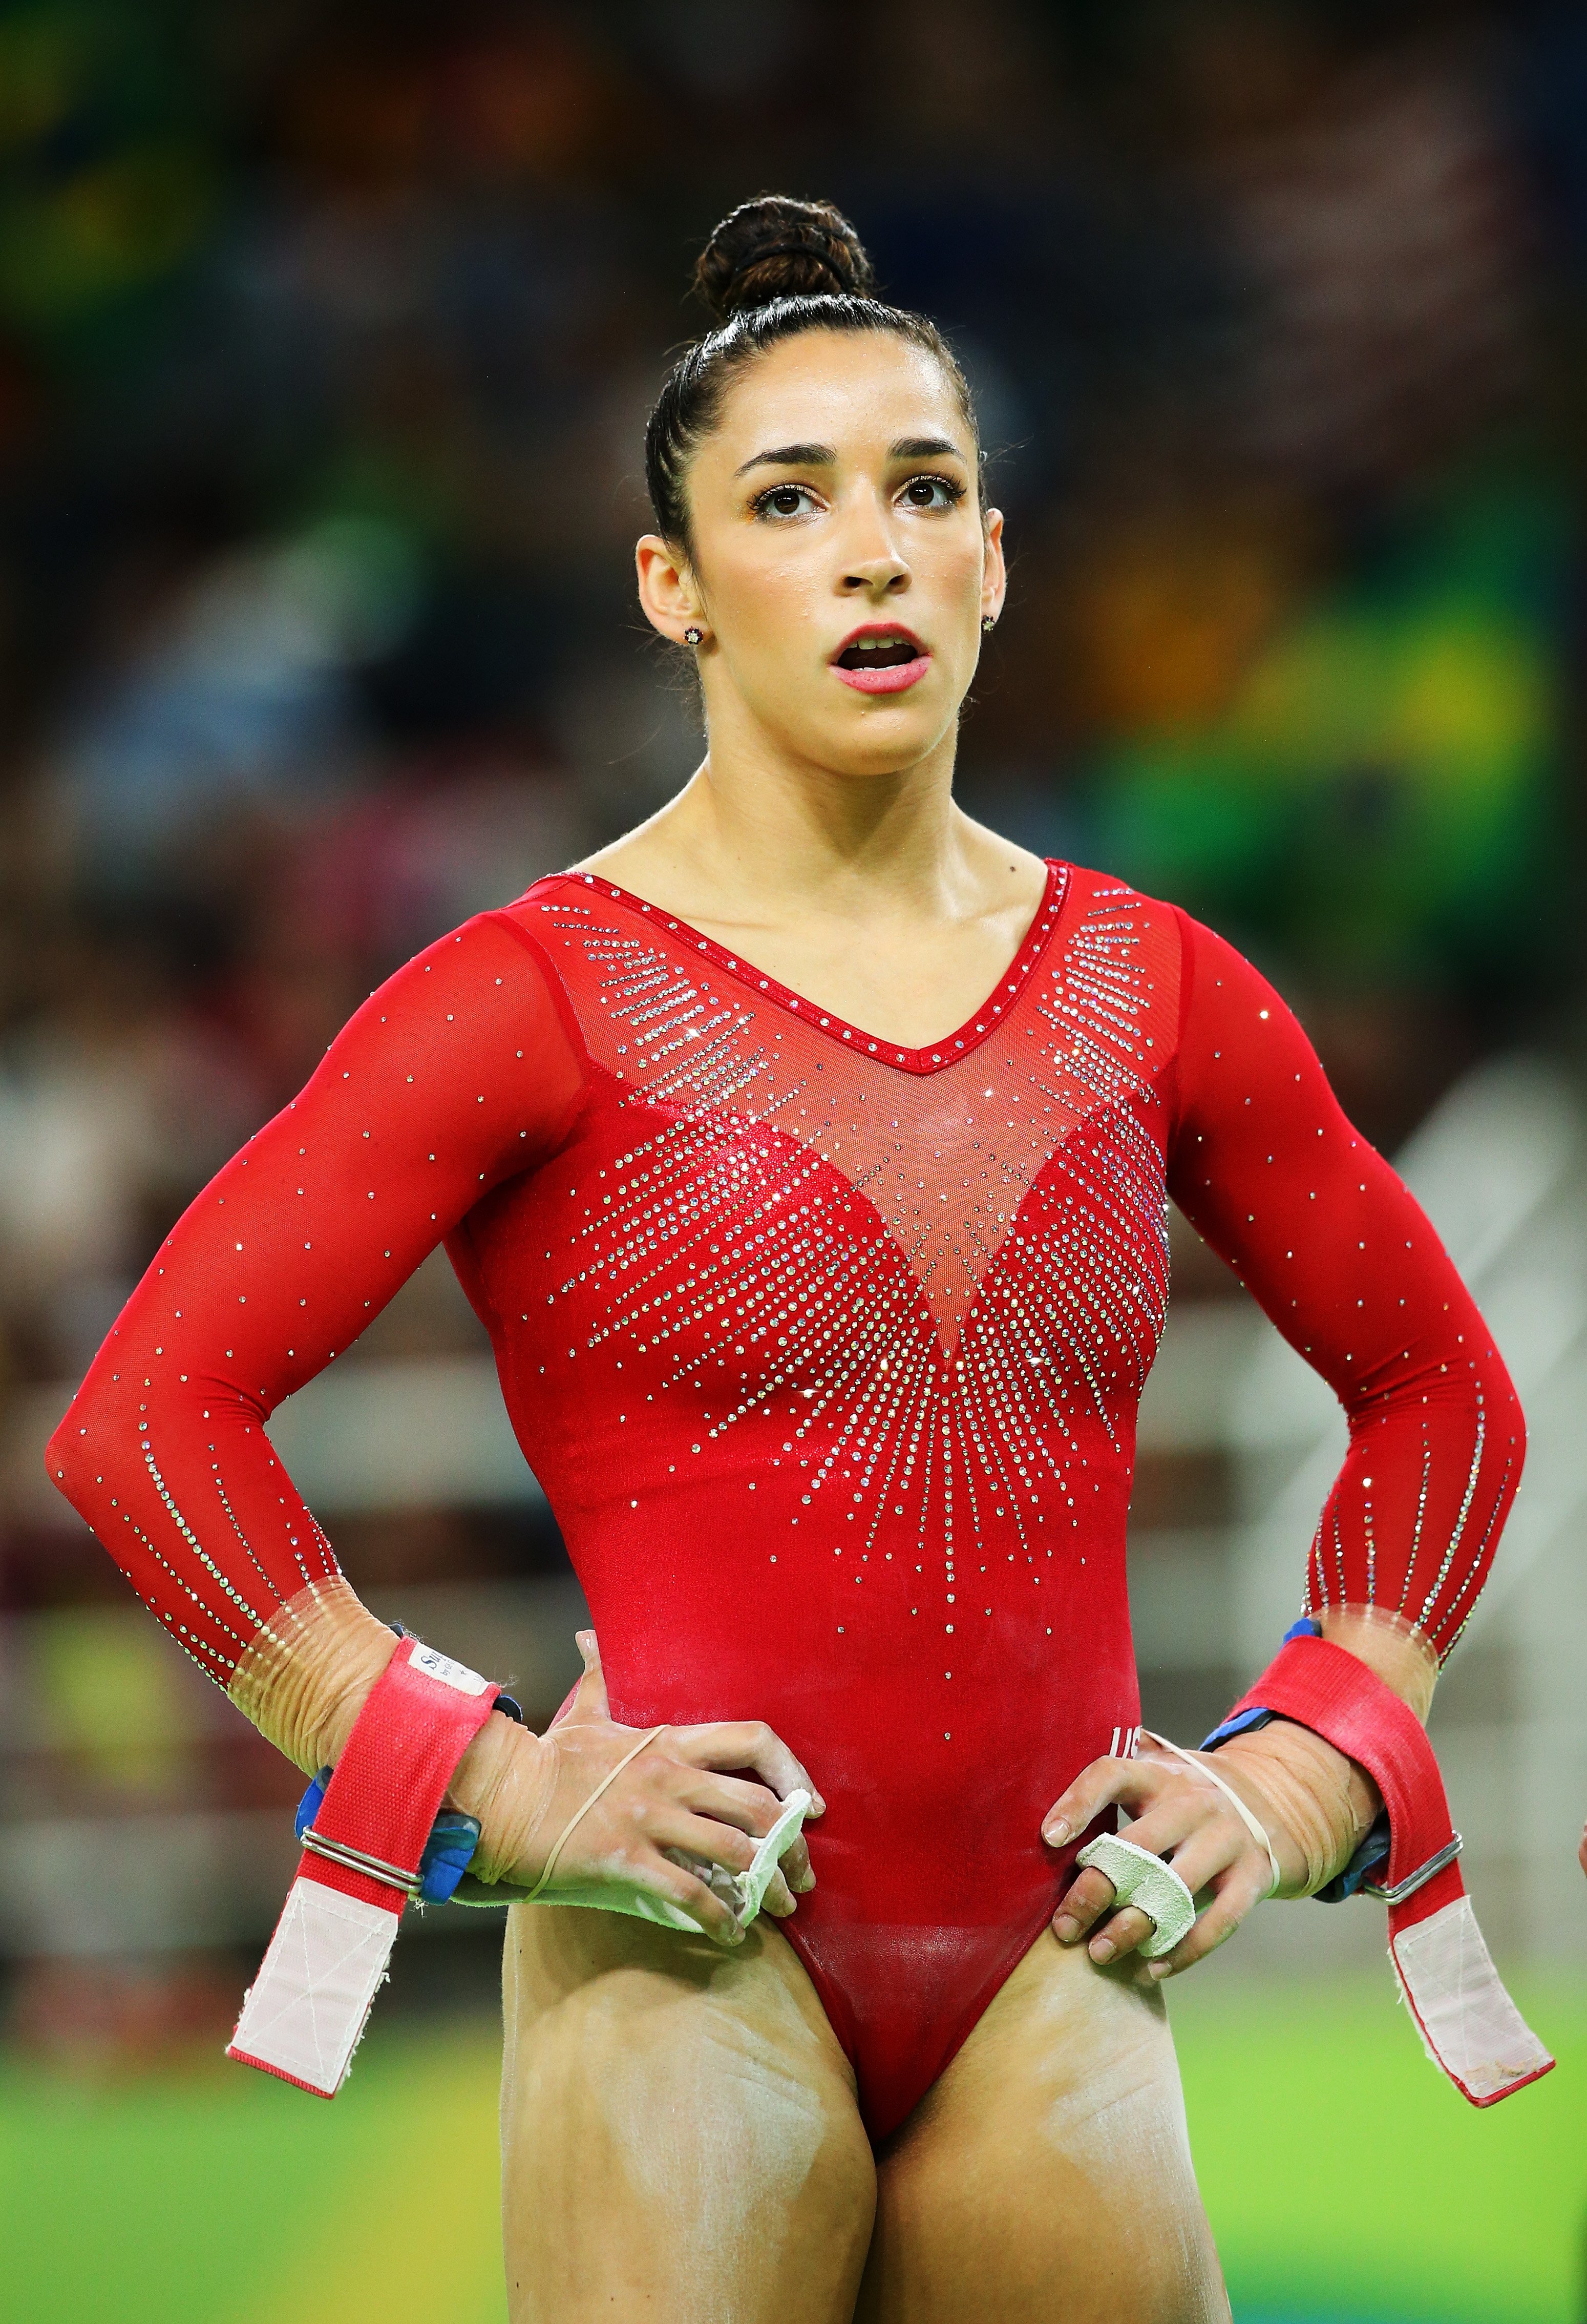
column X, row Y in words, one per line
column 838, row 494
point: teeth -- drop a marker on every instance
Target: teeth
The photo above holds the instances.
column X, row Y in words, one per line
column 875, row 645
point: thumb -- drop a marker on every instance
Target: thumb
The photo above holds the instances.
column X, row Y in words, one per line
column 588, row 1700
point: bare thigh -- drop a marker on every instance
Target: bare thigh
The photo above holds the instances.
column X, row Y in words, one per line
column 1048, row 2172
column 680, row 2138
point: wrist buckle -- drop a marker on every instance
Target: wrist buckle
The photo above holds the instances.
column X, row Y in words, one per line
column 355, row 1859
column 1419, row 1877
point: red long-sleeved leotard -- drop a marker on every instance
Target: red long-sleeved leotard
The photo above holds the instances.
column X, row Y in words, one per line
column 827, row 1356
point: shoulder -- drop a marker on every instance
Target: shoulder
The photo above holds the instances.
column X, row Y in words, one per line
column 1141, row 956
column 1102, row 901
column 488, row 976
column 1145, row 936
column 484, row 952
column 1092, row 891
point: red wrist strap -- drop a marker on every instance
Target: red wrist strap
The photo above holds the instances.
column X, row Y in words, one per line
column 304, row 2014
column 1468, row 2023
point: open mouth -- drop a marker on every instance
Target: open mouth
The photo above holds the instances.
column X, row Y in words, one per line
column 879, row 653
column 881, row 660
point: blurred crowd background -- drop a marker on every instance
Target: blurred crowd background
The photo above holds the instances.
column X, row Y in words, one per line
column 326, row 338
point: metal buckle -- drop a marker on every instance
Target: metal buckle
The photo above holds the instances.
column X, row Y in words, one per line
column 1419, row 1877
column 354, row 1859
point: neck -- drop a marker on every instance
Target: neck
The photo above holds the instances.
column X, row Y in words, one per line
column 753, row 822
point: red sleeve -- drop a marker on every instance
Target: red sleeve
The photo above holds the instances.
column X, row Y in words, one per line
column 459, row 1073
column 1265, row 1165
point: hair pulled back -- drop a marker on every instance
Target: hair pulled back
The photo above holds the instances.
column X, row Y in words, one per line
column 773, row 268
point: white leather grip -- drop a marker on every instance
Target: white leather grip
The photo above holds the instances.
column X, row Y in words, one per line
column 1151, row 1886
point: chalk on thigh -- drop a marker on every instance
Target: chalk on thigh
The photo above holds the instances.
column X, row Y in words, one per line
column 1048, row 2169
column 679, row 2133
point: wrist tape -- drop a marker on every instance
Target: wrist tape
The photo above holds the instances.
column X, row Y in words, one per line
column 1468, row 2023
column 304, row 2014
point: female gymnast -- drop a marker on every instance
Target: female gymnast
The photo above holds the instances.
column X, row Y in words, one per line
column 805, row 1155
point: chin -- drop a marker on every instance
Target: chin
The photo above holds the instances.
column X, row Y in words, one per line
column 880, row 741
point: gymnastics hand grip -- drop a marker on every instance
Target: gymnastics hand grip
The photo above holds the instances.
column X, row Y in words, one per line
column 1145, row 1882
column 1470, row 2025
column 304, row 2013
column 744, row 1893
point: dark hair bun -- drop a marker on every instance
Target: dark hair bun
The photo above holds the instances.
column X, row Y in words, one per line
column 775, row 247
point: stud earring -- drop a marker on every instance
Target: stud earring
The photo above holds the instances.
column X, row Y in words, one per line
column 988, row 623
column 693, row 635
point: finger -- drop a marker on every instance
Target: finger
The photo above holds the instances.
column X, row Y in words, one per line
column 1134, row 1783
column 748, row 1809
column 715, row 1920
column 753, row 1810
column 751, row 1743
column 1183, row 1809
column 748, row 1806
column 1121, row 1934
column 1091, row 1894
column 748, row 1743
column 1237, row 1894
column 1175, row 1824
column 777, row 1901
column 669, row 1825
column 589, row 1699
column 1217, row 1847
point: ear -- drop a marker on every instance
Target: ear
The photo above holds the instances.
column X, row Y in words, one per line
column 994, row 569
column 668, row 590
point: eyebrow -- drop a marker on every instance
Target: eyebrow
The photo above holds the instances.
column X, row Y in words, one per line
column 792, row 456
column 924, row 448
column 823, row 456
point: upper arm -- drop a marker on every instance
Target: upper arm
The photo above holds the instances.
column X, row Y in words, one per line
column 1265, row 1164
column 456, row 1074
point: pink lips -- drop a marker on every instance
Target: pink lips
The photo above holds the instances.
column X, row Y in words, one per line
column 894, row 680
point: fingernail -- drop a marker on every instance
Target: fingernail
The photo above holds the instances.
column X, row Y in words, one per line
column 802, row 1886
column 1158, row 1969
column 1101, row 1951
column 1056, row 1832
column 817, row 1806
column 1065, row 1929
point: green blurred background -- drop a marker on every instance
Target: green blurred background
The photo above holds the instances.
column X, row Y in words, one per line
column 1343, row 2177
column 327, row 335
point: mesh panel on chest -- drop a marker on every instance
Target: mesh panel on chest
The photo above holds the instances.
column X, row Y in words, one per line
column 744, row 1076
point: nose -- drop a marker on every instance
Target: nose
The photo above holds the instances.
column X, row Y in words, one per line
column 881, row 576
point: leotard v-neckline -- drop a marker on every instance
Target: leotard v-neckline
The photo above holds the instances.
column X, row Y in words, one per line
column 931, row 1056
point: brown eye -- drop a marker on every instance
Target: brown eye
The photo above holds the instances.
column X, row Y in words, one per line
column 931, row 492
column 785, row 501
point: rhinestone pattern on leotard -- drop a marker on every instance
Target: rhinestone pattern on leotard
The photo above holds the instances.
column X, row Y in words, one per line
column 952, row 1297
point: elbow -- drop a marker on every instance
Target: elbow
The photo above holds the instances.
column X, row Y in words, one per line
column 1491, row 1387
column 1509, row 1420
column 72, row 1458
